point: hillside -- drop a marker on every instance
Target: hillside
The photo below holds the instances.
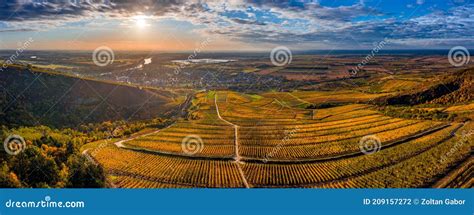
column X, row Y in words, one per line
column 253, row 141
column 465, row 93
column 455, row 88
column 32, row 98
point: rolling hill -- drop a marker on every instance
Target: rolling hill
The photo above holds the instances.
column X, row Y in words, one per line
column 31, row 98
column 453, row 88
column 242, row 140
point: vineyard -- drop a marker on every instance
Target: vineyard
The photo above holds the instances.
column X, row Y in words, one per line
column 273, row 139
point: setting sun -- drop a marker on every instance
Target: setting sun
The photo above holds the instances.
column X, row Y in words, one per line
column 140, row 21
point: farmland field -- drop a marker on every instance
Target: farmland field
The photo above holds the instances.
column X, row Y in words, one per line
column 248, row 129
column 233, row 139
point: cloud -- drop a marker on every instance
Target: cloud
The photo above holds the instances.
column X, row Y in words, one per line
column 249, row 22
column 315, row 11
column 16, row 30
column 297, row 23
column 441, row 29
column 27, row 10
column 33, row 10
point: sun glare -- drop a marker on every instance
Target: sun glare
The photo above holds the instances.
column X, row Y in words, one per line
column 140, row 21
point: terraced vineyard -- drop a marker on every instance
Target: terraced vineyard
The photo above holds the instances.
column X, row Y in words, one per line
column 271, row 140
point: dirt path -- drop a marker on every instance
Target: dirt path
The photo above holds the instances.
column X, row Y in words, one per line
column 237, row 157
column 181, row 112
column 88, row 156
column 120, row 143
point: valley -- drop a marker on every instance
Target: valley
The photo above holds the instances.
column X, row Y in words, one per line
column 324, row 129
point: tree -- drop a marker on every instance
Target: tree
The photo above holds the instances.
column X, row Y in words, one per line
column 71, row 148
column 83, row 173
column 8, row 179
column 36, row 169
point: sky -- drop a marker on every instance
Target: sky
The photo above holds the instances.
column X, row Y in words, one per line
column 165, row 25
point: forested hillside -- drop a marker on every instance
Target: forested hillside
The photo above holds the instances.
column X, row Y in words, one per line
column 48, row 117
column 454, row 88
column 29, row 98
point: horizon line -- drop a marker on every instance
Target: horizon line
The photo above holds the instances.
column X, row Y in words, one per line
column 231, row 51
